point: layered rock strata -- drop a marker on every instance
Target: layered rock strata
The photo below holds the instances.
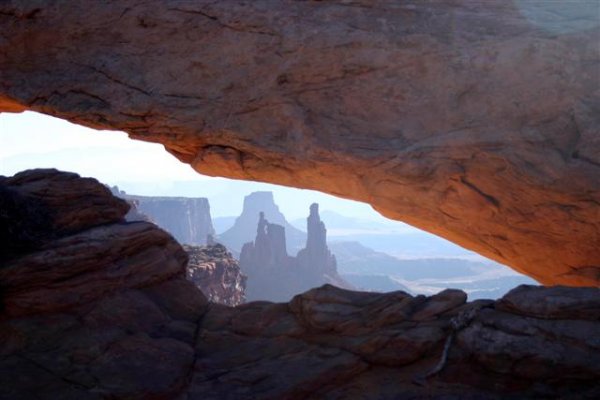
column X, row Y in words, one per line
column 217, row 274
column 99, row 308
column 474, row 120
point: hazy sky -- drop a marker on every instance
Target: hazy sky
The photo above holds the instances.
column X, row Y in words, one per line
column 33, row 140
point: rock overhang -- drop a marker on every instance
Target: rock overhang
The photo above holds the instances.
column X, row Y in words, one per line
column 467, row 120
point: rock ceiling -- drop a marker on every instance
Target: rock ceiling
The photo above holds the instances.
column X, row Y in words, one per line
column 476, row 121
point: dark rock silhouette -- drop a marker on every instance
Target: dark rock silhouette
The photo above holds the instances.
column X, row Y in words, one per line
column 244, row 228
column 274, row 275
column 101, row 309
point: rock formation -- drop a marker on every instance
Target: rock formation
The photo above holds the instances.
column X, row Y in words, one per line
column 244, row 228
column 270, row 270
column 134, row 213
column 274, row 275
column 211, row 268
column 474, row 120
column 187, row 219
column 316, row 259
column 96, row 307
column 217, row 274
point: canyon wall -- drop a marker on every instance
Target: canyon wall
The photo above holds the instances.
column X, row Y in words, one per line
column 94, row 307
column 186, row 218
column 474, row 120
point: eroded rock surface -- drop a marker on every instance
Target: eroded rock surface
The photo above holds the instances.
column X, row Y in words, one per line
column 106, row 312
column 217, row 274
column 98, row 307
column 475, row 120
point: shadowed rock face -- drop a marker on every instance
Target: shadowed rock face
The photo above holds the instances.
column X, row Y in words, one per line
column 104, row 311
column 477, row 121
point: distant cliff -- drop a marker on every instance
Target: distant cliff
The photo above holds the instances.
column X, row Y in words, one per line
column 274, row 275
column 186, row 218
column 244, row 228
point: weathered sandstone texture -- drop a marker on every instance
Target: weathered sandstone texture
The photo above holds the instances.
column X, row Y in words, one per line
column 217, row 274
column 475, row 120
column 274, row 275
column 104, row 311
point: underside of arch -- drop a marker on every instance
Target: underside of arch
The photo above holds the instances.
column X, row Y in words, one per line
column 472, row 120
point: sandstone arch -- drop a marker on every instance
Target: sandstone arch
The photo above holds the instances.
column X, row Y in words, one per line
column 477, row 121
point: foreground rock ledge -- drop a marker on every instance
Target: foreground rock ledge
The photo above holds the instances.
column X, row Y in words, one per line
column 105, row 311
column 475, row 120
